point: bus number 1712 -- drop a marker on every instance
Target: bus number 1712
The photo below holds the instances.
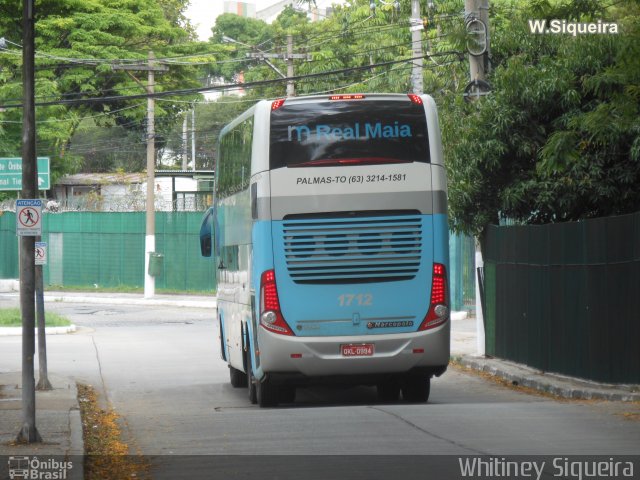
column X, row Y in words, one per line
column 360, row 299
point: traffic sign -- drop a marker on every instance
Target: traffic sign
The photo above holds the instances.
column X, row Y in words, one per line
column 41, row 253
column 28, row 217
column 11, row 173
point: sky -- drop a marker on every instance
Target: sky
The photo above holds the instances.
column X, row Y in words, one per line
column 203, row 13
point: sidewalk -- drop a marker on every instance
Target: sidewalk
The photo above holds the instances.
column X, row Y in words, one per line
column 58, row 416
column 464, row 352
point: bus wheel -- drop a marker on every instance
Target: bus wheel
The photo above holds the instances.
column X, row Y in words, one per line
column 416, row 389
column 251, row 380
column 267, row 394
column 238, row 378
column 389, row 391
column 287, row 394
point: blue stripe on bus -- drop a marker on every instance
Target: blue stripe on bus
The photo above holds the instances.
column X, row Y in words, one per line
column 261, row 238
column 441, row 240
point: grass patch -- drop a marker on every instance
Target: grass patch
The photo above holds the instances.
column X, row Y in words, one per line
column 11, row 317
column 106, row 455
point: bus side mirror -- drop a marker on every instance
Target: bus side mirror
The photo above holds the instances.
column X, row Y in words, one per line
column 206, row 235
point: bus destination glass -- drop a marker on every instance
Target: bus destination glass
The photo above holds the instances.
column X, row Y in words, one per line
column 348, row 133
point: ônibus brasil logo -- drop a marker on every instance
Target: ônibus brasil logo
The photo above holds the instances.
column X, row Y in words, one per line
column 32, row 468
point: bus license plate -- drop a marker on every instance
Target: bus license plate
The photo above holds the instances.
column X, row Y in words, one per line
column 360, row 350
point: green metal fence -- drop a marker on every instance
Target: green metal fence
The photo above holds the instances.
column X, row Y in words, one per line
column 462, row 252
column 107, row 250
column 9, row 267
column 566, row 297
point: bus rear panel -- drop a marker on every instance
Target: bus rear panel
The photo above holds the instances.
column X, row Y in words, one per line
column 348, row 255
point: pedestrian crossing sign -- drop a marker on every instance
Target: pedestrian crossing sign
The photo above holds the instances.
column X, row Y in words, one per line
column 28, row 217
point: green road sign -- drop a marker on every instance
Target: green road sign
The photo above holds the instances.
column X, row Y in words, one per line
column 11, row 174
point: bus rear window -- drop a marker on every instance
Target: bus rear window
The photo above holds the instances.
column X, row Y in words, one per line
column 348, row 133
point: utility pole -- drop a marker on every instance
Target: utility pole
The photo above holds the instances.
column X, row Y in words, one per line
column 476, row 13
column 289, row 57
column 477, row 26
column 416, row 47
column 28, row 433
column 150, row 236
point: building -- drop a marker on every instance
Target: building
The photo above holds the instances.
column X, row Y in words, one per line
column 175, row 190
column 243, row 9
column 270, row 13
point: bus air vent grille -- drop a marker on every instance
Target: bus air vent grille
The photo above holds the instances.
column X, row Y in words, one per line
column 353, row 250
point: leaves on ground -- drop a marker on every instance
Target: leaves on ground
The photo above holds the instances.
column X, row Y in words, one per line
column 107, row 456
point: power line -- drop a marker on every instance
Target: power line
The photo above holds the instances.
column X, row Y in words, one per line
column 190, row 91
column 107, row 147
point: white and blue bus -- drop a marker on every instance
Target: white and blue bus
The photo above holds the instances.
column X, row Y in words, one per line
column 329, row 231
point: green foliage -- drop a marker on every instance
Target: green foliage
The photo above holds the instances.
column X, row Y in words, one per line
column 558, row 137
column 77, row 44
column 210, row 118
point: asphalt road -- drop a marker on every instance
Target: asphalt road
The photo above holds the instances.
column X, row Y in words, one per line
column 160, row 369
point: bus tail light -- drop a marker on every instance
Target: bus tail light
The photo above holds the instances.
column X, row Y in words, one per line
column 347, row 97
column 415, row 98
column 438, row 309
column 276, row 104
column 270, row 314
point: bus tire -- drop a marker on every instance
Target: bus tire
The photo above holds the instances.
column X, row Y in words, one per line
column 267, row 394
column 287, row 394
column 416, row 389
column 389, row 391
column 238, row 378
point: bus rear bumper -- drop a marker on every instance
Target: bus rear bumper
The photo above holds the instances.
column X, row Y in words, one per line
column 316, row 359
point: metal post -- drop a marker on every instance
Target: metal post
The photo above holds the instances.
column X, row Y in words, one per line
column 416, row 42
column 28, row 432
column 43, row 380
column 480, row 335
column 150, row 239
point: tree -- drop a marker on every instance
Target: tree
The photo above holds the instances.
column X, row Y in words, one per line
column 77, row 43
column 210, row 119
column 558, row 139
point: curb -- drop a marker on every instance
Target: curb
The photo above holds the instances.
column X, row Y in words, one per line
column 13, row 331
column 131, row 301
column 9, row 285
column 125, row 300
column 554, row 384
